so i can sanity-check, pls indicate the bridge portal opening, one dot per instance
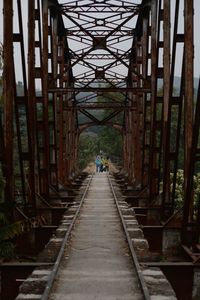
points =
(99, 140)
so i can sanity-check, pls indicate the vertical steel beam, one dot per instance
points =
(64, 115)
(189, 81)
(31, 95)
(177, 38)
(133, 122)
(171, 150)
(128, 142)
(73, 140)
(154, 54)
(166, 105)
(52, 61)
(191, 215)
(188, 121)
(60, 112)
(34, 74)
(131, 141)
(8, 95)
(46, 156)
(54, 71)
(146, 104)
(2, 146)
(24, 124)
(138, 128)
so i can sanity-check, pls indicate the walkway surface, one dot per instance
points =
(96, 264)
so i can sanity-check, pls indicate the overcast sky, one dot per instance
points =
(196, 30)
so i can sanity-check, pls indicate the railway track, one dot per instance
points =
(98, 252)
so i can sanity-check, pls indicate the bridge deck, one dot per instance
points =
(96, 264)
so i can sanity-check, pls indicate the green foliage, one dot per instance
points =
(105, 139)
(110, 141)
(7, 249)
(2, 185)
(7, 231)
(179, 190)
(87, 149)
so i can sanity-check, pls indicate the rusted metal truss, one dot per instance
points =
(73, 55)
(168, 130)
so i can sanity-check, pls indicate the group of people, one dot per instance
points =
(102, 163)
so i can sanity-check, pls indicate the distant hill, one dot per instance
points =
(177, 83)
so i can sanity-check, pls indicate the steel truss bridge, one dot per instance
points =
(68, 53)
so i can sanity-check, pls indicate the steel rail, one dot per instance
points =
(133, 255)
(50, 281)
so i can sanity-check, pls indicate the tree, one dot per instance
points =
(88, 147)
(110, 141)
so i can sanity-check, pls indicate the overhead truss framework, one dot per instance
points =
(100, 37)
(122, 57)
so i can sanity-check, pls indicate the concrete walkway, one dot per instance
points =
(96, 264)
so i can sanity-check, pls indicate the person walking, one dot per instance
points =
(106, 163)
(98, 163)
